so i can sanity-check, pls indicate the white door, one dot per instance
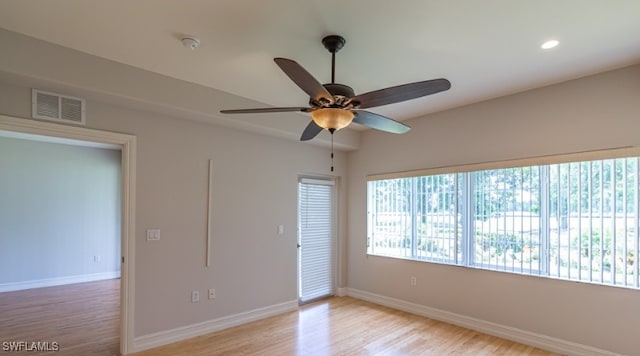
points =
(315, 239)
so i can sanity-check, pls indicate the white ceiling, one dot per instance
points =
(485, 48)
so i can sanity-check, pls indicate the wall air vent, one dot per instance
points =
(57, 107)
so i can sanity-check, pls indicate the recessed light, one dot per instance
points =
(550, 44)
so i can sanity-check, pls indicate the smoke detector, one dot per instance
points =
(191, 42)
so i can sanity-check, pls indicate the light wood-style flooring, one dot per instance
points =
(345, 326)
(83, 318)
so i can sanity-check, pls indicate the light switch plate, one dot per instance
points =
(153, 234)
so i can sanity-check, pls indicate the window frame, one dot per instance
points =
(465, 234)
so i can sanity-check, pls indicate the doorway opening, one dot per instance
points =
(124, 254)
(316, 239)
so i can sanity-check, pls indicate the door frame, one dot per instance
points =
(335, 245)
(127, 145)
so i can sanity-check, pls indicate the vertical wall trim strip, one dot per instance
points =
(209, 209)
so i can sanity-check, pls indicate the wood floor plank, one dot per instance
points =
(83, 318)
(345, 326)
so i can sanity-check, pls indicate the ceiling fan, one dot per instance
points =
(334, 106)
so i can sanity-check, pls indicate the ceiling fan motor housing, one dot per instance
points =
(341, 93)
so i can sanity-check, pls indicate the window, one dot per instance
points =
(573, 220)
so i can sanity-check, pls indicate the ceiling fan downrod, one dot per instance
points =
(333, 44)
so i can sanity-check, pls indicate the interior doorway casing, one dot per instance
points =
(127, 144)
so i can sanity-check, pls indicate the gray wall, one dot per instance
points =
(59, 209)
(254, 190)
(254, 181)
(596, 112)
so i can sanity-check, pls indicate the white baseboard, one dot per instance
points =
(506, 332)
(341, 292)
(189, 331)
(58, 281)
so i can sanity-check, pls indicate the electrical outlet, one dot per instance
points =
(212, 293)
(96, 259)
(195, 296)
(414, 281)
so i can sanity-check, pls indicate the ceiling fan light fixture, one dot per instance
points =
(332, 119)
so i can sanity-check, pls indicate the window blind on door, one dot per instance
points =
(315, 219)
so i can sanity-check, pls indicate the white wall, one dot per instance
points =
(596, 112)
(59, 210)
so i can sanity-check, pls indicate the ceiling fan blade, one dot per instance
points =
(304, 80)
(311, 131)
(379, 122)
(264, 110)
(401, 93)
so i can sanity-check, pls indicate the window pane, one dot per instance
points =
(390, 217)
(437, 218)
(593, 210)
(415, 218)
(507, 219)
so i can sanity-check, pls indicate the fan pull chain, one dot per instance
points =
(331, 151)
